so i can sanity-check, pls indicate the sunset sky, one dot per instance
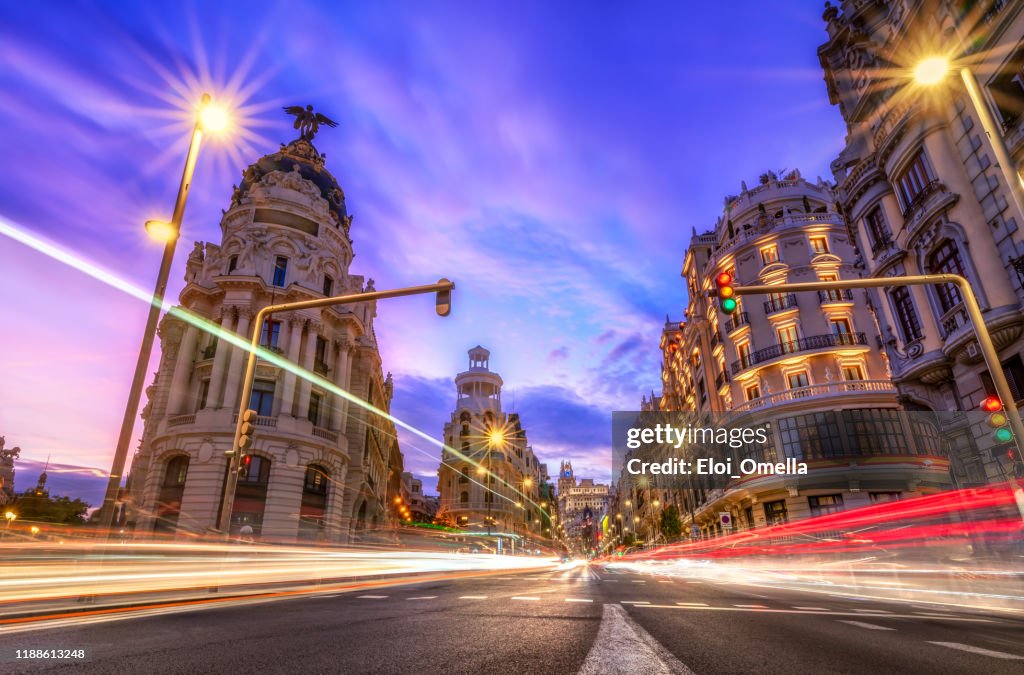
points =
(550, 158)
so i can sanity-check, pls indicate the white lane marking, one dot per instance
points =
(372, 597)
(664, 581)
(611, 581)
(333, 595)
(693, 604)
(622, 646)
(752, 606)
(943, 615)
(979, 650)
(819, 613)
(579, 600)
(472, 597)
(873, 611)
(694, 582)
(931, 608)
(423, 597)
(814, 609)
(869, 626)
(639, 581)
(525, 597)
(636, 602)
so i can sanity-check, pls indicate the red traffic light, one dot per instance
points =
(991, 404)
(724, 279)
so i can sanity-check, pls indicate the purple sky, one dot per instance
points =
(550, 158)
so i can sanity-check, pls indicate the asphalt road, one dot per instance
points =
(585, 620)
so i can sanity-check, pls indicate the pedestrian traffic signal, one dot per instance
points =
(726, 292)
(246, 430)
(997, 419)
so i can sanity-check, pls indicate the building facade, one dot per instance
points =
(923, 193)
(322, 468)
(493, 483)
(784, 359)
(582, 504)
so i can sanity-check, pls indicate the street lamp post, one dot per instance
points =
(933, 70)
(988, 349)
(210, 118)
(443, 289)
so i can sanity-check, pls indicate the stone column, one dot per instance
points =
(292, 354)
(340, 405)
(308, 355)
(183, 367)
(220, 361)
(233, 384)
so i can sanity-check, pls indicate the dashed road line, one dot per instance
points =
(869, 626)
(750, 606)
(813, 609)
(472, 597)
(639, 581)
(978, 650)
(872, 611)
(636, 602)
(579, 600)
(372, 597)
(525, 597)
(693, 604)
(423, 597)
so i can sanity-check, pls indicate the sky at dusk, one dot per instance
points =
(550, 158)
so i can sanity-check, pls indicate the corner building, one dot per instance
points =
(485, 492)
(322, 468)
(921, 188)
(786, 359)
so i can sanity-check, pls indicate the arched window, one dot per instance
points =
(312, 512)
(464, 497)
(316, 480)
(946, 260)
(172, 490)
(177, 472)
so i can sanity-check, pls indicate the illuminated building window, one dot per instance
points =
(912, 181)
(743, 349)
(853, 372)
(819, 244)
(775, 512)
(280, 271)
(752, 391)
(843, 331)
(787, 339)
(769, 254)
(882, 497)
(825, 504)
(906, 314)
(798, 380)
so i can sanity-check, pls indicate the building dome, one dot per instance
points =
(296, 160)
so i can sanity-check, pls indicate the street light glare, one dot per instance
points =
(496, 437)
(931, 70)
(213, 118)
(161, 231)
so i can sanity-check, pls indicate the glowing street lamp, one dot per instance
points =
(212, 119)
(11, 516)
(931, 71)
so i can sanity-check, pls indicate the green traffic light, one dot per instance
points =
(729, 305)
(1003, 435)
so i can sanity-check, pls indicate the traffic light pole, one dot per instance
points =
(443, 289)
(988, 349)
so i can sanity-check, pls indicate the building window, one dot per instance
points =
(775, 512)
(464, 497)
(853, 372)
(743, 349)
(320, 356)
(841, 327)
(262, 399)
(232, 264)
(819, 244)
(752, 391)
(270, 334)
(878, 229)
(769, 254)
(1013, 369)
(315, 406)
(256, 470)
(177, 472)
(882, 497)
(787, 339)
(832, 294)
(798, 380)
(912, 181)
(464, 477)
(1007, 90)
(316, 480)
(946, 260)
(906, 314)
(280, 271)
(825, 504)
(328, 286)
(204, 393)
(811, 436)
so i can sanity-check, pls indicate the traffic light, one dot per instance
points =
(997, 419)
(726, 292)
(443, 300)
(245, 433)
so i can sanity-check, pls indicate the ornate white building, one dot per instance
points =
(581, 505)
(322, 468)
(488, 493)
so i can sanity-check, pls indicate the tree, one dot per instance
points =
(46, 509)
(671, 525)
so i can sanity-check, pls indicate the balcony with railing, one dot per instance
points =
(881, 244)
(805, 344)
(258, 420)
(834, 296)
(917, 204)
(783, 302)
(736, 322)
(326, 434)
(814, 391)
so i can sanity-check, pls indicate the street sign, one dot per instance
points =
(725, 518)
